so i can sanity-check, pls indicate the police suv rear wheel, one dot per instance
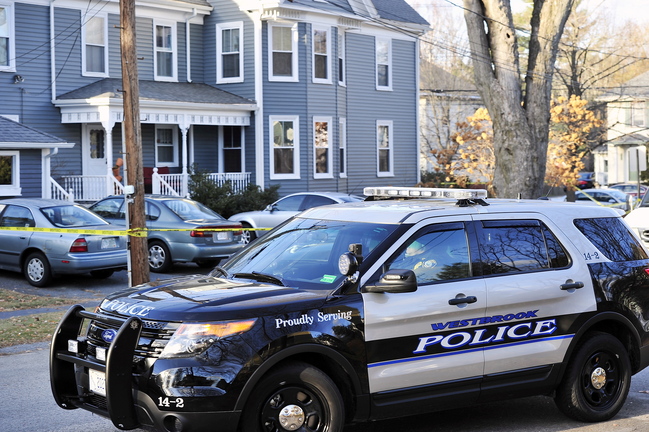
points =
(297, 397)
(597, 380)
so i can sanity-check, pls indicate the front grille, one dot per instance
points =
(154, 337)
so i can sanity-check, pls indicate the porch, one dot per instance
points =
(90, 188)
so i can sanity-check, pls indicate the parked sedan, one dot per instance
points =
(41, 256)
(286, 207)
(180, 230)
(630, 189)
(604, 197)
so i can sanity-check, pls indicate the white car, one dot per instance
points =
(638, 220)
(284, 208)
(604, 197)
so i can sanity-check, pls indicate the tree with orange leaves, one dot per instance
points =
(475, 160)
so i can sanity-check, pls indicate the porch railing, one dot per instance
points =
(96, 187)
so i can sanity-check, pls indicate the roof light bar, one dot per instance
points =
(414, 192)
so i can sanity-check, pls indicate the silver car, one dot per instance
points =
(41, 256)
(180, 230)
(286, 207)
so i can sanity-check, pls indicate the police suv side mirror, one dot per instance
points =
(394, 281)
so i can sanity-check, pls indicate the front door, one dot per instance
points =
(94, 163)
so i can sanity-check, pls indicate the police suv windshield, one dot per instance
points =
(304, 252)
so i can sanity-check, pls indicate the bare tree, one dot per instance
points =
(520, 115)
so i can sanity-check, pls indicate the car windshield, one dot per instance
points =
(305, 252)
(190, 210)
(72, 216)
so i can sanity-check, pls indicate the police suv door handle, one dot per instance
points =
(461, 300)
(570, 284)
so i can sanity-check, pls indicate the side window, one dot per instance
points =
(109, 208)
(612, 237)
(436, 256)
(519, 246)
(152, 212)
(316, 201)
(18, 217)
(292, 203)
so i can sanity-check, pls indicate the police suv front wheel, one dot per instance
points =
(597, 380)
(296, 397)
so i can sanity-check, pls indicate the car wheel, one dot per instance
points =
(101, 274)
(247, 236)
(37, 270)
(159, 257)
(597, 380)
(296, 397)
(208, 263)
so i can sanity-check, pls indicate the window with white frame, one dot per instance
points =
(283, 53)
(231, 144)
(342, 158)
(341, 57)
(10, 173)
(321, 57)
(384, 146)
(165, 52)
(229, 52)
(638, 113)
(322, 153)
(95, 52)
(284, 147)
(7, 57)
(383, 64)
(166, 146)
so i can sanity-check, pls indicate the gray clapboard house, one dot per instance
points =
(308, 94)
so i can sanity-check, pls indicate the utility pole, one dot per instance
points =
(139, 256)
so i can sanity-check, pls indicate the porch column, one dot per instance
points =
(108, 148)
(184, 128)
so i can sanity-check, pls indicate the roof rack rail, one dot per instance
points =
(465, 197)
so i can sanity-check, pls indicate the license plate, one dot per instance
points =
(222, 235)
(97, 382)
(109, 243)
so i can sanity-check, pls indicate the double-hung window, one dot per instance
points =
(10, 173)
(384, 145)
(341, 57)
(166, 146)
(165, 52)
(342, 159)
(95, 52)
(284, 147)
(638, 113)
(231, 144)
(321, 55)
(7, 38)
(282, 53)
(229, 52)
(322, 152)
(383, 64)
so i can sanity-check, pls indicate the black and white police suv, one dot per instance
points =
(410, 301)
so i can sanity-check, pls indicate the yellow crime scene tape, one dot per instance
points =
(133, 232)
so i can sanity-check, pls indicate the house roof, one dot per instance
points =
(14, 135)
(433, 78)
(635, 88)
(159, 91)
(397, 10)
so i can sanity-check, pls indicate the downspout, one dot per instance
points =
(52, 52)
(188, 45)
(259, 98)
(417, 116)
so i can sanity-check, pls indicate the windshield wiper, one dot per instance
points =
(221, 270)
(259, 277)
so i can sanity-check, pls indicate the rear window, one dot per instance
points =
(612, 237)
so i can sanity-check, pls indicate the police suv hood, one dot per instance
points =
(207, 298)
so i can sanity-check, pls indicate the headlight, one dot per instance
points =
(192, 339)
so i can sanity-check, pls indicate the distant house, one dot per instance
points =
(444, 100)
(310, 95)
(625, 154)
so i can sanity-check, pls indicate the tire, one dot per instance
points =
(159, 257)
(299, 394)
(597, 380)
(211, 263)
(37, 270)
(247, 236)
(102, 274)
